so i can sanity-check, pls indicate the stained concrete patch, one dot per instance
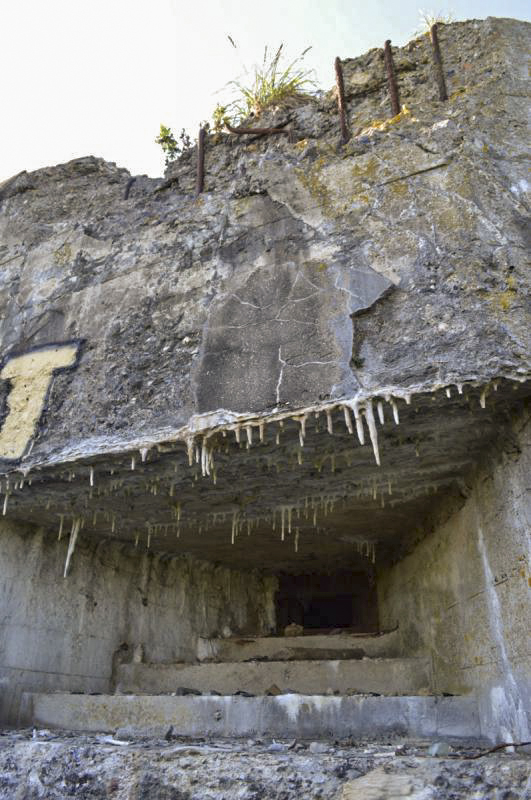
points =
(236, 716)
(284, 330)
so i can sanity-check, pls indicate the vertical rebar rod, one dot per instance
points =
(391, 79)
(345, 135)
(437, 60)
(200, 176)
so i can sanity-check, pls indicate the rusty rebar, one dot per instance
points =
(341, 104)
(437, 60)
(391, 78)
(200, 175)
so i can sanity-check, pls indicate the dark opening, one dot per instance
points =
(345, 600)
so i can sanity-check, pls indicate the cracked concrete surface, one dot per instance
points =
(307, 279)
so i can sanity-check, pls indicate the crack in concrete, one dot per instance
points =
(279, 382)
(412, 174)
(245, 302)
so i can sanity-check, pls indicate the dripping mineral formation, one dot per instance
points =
(297, 400)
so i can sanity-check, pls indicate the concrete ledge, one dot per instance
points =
(379, 675)
(282, 716)
(289, 648)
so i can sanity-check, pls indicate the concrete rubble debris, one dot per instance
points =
(439, 749)
(146, 768)
(293, 630)
(318, 747)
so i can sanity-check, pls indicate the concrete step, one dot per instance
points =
(292, 648)
(285, 716)
(377, 675)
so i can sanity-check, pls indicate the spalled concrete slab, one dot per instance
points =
(284, 716)
(382, 676)
(293, 648)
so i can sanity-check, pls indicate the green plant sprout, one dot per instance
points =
(429, 18)
(268, 85)
(172, 147)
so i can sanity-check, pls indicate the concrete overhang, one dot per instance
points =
(287, 491)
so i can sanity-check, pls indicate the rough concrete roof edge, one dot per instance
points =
(6, 183)
(204, 426)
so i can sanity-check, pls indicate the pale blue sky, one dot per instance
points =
(97, 77)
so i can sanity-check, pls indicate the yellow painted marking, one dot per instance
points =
(30, 376)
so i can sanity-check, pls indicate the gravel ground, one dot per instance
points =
(47, 765)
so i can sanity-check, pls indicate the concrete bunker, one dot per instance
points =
(259, 560)
(300, 400)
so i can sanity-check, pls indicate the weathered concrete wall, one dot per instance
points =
(192, 305)
(70, 634)
(464, 595)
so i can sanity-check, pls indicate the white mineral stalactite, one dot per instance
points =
(373, 433)
(234, 526)
(76, 525)
(190, 450)
(348, 419)
(205, 462)
(380, 412)
(61, 522)
(359, 422)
